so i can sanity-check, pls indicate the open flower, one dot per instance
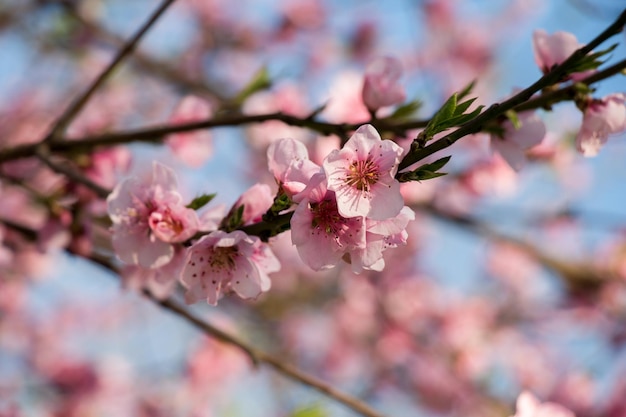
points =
(600, 119)
(381, 235)
(221, 262)
(362, 176)
(514, 143)
(381, 87)
(321, 234)
(148, 215)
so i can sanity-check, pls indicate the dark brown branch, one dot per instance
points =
(554, 76)
(76, 106)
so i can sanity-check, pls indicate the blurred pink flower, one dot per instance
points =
(515, 142)
(528, 406)
(551, 50)
(601, 118)
(381, 235)
(381, 87)
(288, 160)
(362, 176)
(148, 215)
(256, 201)
(220, 262)
(193, 147)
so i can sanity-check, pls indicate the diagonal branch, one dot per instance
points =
(256, 356)
(76, 106)
(497, 109)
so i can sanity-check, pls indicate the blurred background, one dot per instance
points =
(510, 280)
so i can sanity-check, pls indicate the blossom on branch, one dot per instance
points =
(552, 50)
(148, 215)
(288, 160)
(321, 234)
(381, 87)
(601, 118)
(514, 142)
(221, 262)
(362, 176)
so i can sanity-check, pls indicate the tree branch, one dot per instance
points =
(76, 106)
(498, 109)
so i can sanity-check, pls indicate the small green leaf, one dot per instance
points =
(461, 108)
(426, 171)
(260, 81)
(437, 165)
(281, 202)
(233, 220)
(311, 411)
(406, 110)
(591, 61)
(438, 122)
(200, 201)
(512, 116)
(468, 89)
(464, 118)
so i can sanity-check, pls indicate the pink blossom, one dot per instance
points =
(211, 218)
(381, 235)
(528, 406)
(288, 160)
(105, 164)
(362, 176)
(345, 101)
(381, 87)
(221, 262)
(551, 50)
(321, 234)
(160, 282)
(601, 118)
(256, 201)
(193, 147)
(148, 216)
(515, 142)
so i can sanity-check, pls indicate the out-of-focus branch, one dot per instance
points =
(43, 153)
(495, 110)
(256, 356)
(579, 276)
(76, 106)
(152, 65)
(155, 134)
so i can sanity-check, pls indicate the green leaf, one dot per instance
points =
(464, 118)
(438, 122)
(468, 89)
(233, 220)
(461, 108)
(512, 116)
(406, 110)
(426, 171)
(591, 61)
(311, 411)
(200, 201)
(281, 202)
(260, 81)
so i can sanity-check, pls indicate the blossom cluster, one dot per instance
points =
(349, 209)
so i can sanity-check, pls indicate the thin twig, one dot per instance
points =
(75, 107)
(43, 153)
(256, 356)
(498, 109)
